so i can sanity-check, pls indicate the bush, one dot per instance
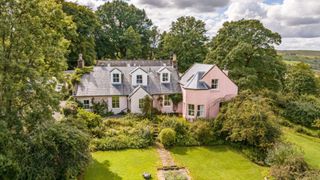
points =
(167, 137)
(288, 163)
(179, 125)
(101, 108)
(304, 111)
(70, 108)
(202, 131)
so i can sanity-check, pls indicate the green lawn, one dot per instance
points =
(127, 164)
(217, 162)
(309, 145)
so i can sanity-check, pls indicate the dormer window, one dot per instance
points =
(139, 79)
(214, 83)
(115, 76)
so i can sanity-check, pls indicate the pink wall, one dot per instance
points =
(209, 98)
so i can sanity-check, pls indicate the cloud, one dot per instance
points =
(197, 5)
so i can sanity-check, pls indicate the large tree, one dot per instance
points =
(187, 39)
(82, 42)
(32, 58)
(246, 48)
(120, 21)
(300, 79)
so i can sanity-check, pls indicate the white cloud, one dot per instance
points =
(298, 21)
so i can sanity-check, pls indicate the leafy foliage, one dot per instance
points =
(167, 137)
(248, 120)
(304, 110)
(246, 48)
(300, 79)
(83, 41)
(187, 39)
(125, 31)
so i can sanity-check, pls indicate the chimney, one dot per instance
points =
(80, 61)
(174, 61)
(225, 70)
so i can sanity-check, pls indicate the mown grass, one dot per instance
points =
(309, 145)
(127, 164)
(217, 162)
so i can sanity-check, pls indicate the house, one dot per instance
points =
(122, 85)
(204, 87)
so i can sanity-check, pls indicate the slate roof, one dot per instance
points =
(191, 79)
(98, 82)
(115, 63)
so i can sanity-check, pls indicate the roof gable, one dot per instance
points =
(137, 68)
(137, 89)
(116, 70)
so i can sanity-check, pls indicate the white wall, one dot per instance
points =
(134, 100)
(144, 77)
(108, 99)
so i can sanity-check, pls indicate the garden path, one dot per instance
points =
(165, 156)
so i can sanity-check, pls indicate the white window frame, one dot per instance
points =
(86, 105)
(200, 112)
(163, 80)
(166, 101)
(115, 102)
(113, 78)
(214, 83)
(191, 110)
(138, 80)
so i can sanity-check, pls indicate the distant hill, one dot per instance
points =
(309, 57)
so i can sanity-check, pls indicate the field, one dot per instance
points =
(217, 162)
(309, 145)
(309, 57)
(126, 164)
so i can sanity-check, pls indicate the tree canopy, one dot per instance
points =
(187, 39)
(32, 58)
(300, 79)
(125, 31)
(246, 48)
(83, 41)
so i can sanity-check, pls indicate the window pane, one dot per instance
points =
(214, 83)
(141, 102)
(191, 109)
(166, 100)
(115, 102)
(116, 78)
(139, 79)
(200, 111)
(86, 104)
(165, 77)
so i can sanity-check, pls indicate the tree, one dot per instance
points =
(187, 39)
(300, 79)
(32, 56)
(83, 41)
(248, 120)
(133, 42)
(246, 48)
(118, 20)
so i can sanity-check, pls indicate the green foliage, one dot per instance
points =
(101, 108)
(176, 99)
(167, 137)
(187, 39)
(203, 132)
(125, 31)
(248, 120)
(127, 132)
(246, 48)
(56, 151)
(70, 109)
(304, 110)
(300, 79)
(147, 108)
(83, 40)
(288, 163)
(79, 72)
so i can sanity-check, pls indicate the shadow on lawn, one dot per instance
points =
(214, 148)
(98, 170)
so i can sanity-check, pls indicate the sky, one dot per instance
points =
(298, 21)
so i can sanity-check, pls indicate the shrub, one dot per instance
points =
(202, 131)
(70, 109)
(304, 111)
(167, 137)
(248, 120)
(101, 108)
(288, 163)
